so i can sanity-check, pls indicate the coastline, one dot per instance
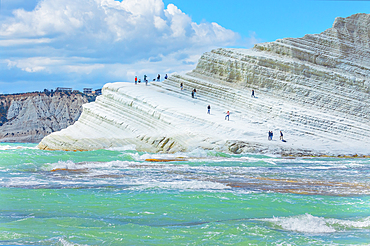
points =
(156, 119)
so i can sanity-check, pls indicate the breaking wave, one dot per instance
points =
(307, 223)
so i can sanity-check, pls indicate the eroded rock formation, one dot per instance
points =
(315, 88)
(29, 117)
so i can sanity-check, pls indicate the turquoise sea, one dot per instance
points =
(116, 197)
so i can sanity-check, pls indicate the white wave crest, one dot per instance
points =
(123, 148)
(60, 165)
(64, 242)
(12, 147)
(306, 223)
(184, 185)
(350, 224)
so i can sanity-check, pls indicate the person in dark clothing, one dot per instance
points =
(252, 94)
(192, 94)
(195, 93)
(281, 136)
(158, 77)
(165, 77)
(145, 78)
(270, 135)
(181, 86)
(209, 109)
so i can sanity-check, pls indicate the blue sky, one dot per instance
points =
(87, 43)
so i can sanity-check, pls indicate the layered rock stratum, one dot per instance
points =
(29, 117)
(315, 89)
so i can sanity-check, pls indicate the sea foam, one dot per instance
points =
(307, 223)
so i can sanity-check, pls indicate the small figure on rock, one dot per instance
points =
(158, 77)
(195, 93)
(253, 94)
(166, 77)
(181, 86)
(139, 81)
(135, 80)
(192, 94)
(209, 109)
(145, 78)
(227, 115)
(270, 135)
(281, 136)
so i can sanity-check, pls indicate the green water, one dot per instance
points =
(115, 197)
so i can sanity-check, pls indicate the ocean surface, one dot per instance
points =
(116, 197)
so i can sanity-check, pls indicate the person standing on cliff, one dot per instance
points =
(192, 94)
(181, 86)
(209, 109)
(281, 136)
(145, 78)
(227, 115)
(195, 93)
(253, 94)
(158, 77)
(165, 77)
(135, 80)
(270, 135)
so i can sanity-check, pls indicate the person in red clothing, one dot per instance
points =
(227, 115)
(135, 80)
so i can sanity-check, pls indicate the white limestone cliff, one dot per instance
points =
(315, 89)
(29, 117)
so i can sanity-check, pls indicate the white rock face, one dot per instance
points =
(315, 89)
(30, 117)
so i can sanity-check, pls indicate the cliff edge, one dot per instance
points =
(314, 89)
(29, 117)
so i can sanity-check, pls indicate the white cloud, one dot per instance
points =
(84, 68)
(69, 36)
(252, 39)
(24, 41)
(35, 64)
